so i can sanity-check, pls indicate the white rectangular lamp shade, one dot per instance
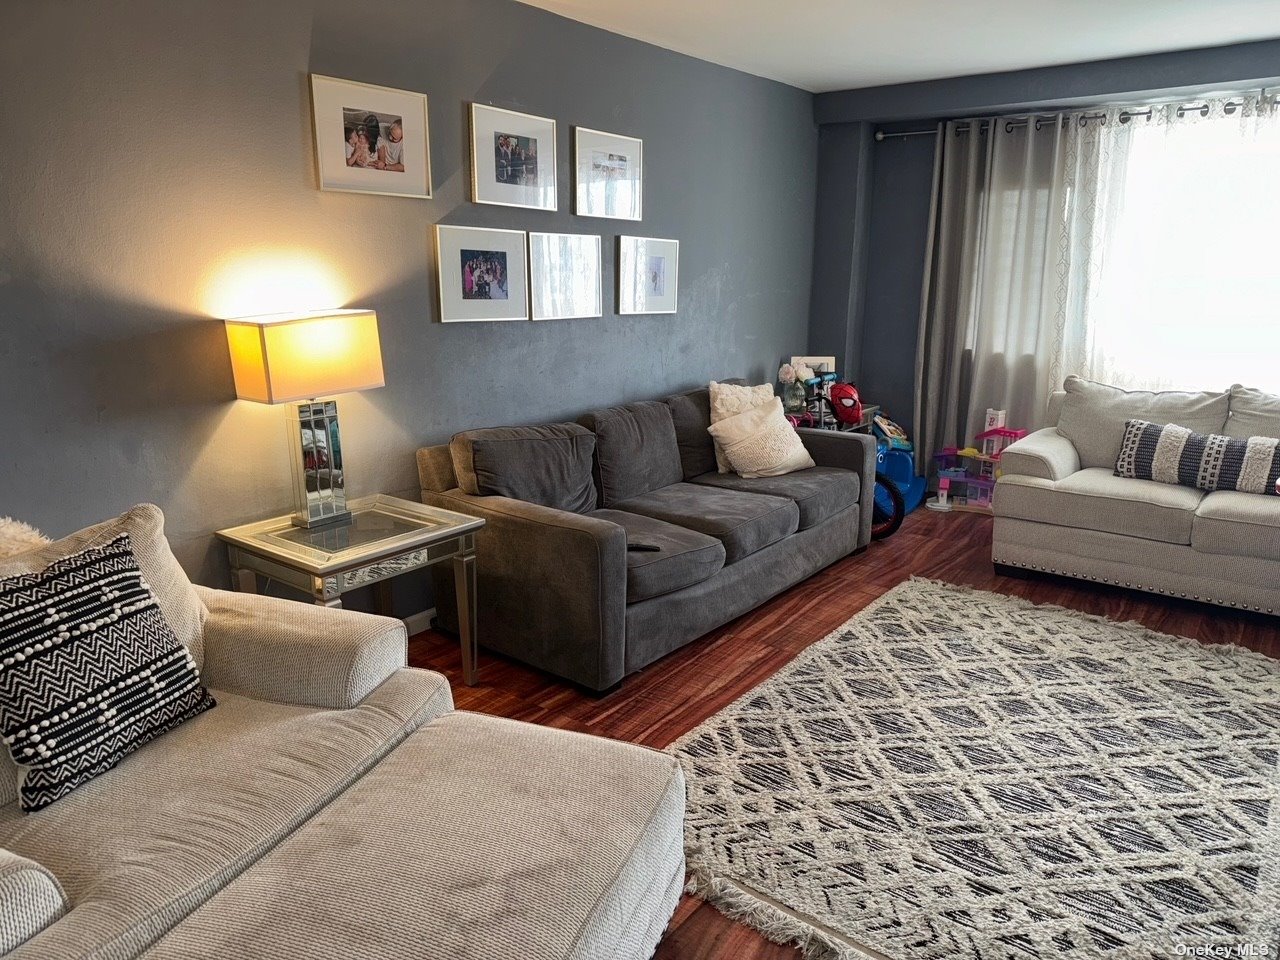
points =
(281, 358)
(284, 358)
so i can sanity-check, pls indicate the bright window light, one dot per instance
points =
(1189, 291)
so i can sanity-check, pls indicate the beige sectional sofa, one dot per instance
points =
(1060, 509)
(334, 805)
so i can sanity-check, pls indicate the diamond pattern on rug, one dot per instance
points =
(957, 773)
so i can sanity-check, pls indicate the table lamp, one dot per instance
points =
(286, 358)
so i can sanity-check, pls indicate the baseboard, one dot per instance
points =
(418, 622)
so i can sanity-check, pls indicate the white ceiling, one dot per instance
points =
(838, 44)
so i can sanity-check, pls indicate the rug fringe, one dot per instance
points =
(775, 925)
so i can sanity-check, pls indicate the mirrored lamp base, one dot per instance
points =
(315, 445)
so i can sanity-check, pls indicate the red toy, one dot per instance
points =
(846, 403)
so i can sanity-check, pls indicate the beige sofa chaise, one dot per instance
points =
(1060, 509)
(334, 805)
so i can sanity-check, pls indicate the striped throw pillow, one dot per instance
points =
(1168, 453)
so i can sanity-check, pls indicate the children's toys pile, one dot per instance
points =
(967, 477)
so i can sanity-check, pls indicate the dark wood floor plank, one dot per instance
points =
(666, 700)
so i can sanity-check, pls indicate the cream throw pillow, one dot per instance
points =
(761, 443)
(729, 400)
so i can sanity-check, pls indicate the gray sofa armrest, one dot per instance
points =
(551, 586)
(1045, 454)
(290, 652)
(852, 451)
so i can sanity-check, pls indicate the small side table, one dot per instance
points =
(385, 537)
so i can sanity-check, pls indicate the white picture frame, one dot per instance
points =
(513, 158)
(564, 276)
(608, 175)
(817, 364)
(648, 275)
(340, 110)
(481, 274)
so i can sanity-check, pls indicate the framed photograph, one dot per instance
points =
(648, 275)
(817, 364)
(513, 158)
(609, 174)
(371, 139)
(482, 274)
(564, 275)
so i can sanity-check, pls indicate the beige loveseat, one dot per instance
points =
(334, 805)
(1060, 509)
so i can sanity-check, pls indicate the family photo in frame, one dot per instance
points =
(482, 274)
(370, 139)
(513, 158)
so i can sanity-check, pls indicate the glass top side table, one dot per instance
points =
(386, 536)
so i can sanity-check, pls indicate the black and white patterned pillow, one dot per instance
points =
(1172, 454)
(89, 670)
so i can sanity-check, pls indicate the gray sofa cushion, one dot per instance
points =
(636, 449)
(691, 414)
(1232, 523)
(547, 464)
(477, 838)
(1094, 415)
(1096, 499)
(684, 557)
(819, 492)
(1253, 414)
(743, 522)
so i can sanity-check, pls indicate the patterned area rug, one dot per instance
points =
(955, 773)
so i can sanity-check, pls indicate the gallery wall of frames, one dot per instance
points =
(372, 139)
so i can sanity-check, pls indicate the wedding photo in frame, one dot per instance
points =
(564, 276)
(513, 158)
(482, 274)
(648, 275)
(371, 139)
(608, 175)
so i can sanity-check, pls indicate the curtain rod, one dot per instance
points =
(1015, 120)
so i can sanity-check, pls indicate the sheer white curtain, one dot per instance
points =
(1125, 245)
(1187, 289)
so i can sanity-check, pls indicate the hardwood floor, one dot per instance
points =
(664, 701)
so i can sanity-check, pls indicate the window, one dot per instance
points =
(1188, 289)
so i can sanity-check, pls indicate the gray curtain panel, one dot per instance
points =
(1015, 222)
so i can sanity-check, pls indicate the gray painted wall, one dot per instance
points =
(155, 143)
(894, 177)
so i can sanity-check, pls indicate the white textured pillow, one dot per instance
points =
(729, 400)
(761, 443)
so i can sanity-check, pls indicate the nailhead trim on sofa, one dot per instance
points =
(1133, 586)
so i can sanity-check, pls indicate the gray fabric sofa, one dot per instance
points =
(1060, 509)
(333, 805)
(558, 587)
